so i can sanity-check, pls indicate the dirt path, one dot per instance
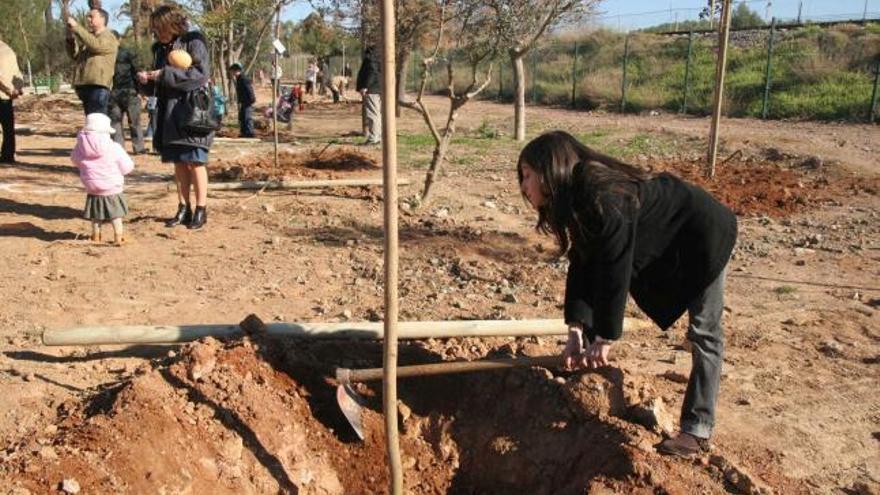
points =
(798, 409)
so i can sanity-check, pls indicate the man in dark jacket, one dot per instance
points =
(124, 100)
(244, 93)
(369, 85)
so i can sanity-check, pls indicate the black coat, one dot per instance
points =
(173, 85)
(370, 74)
(244, 91)
(125, 73)
(665, 253)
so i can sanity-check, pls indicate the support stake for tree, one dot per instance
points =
(724, 31)
(874, 93)
(623, 79)
(765, 107)
(389, 156)
(275, 82)
(687, 73)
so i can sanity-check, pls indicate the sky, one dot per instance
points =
(635, 14)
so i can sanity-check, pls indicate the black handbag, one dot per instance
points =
(199, 117)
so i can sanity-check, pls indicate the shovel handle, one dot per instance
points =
(346, 375)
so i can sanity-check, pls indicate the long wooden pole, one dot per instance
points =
(300, 184)
(720, 67)
(389, 155)
(363, 330)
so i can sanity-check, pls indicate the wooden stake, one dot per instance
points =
(299, 184)
(389, 155)
(720, 66)
(363, 330)
(275, 82)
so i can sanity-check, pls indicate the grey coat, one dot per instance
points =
(172, 87)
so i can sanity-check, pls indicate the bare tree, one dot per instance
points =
(521, 23)
(465, 31)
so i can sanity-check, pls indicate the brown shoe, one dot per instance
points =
(683, 445)
(96, 237)
(120, 241)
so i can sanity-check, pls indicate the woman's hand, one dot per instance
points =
(596, 355)
(573, 356)
(71, 22)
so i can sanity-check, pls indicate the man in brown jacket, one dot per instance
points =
(10, 89)
(94, 51)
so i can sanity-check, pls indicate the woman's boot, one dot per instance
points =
(199, 218)
(184, 216)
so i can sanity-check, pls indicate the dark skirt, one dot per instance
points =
(103, 208)
(175, 153)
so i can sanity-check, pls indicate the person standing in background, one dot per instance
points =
(311, 77)
(244, 93)
(124, 100)
(370, 88)
(11, 83)
(94, 53)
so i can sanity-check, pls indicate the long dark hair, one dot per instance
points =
(576, 182)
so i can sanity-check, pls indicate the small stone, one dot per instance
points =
(347, 314)
(510, 298)
(653, 413)
(269, 208)
(48, 453)
(70, 485)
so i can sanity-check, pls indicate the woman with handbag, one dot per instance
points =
(184, 129)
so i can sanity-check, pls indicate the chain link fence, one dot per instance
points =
(819, 73)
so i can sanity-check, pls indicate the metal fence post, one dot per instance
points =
(500, 80)
(534, 77)
(574, 80)
(874, 93)
(768, 74)
(687, 73)
(623, 80)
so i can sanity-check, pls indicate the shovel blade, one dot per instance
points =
(351, 405)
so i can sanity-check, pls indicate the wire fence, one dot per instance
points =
(821, 73)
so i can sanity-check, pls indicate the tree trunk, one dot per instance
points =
(440, 151)
(436, 166)
(402, 64)
(519, 95)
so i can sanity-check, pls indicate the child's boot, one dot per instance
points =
(118, 237)
(96, 231)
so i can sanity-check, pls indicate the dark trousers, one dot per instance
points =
(246, 121)
(7, 122)
(127, 102)
(95, 99)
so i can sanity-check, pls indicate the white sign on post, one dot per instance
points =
(279, 47)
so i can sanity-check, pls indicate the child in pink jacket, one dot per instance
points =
(102, 166)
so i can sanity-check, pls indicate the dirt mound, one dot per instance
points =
(752, 188)
(47, 103)
(316, 163)
(259, 417)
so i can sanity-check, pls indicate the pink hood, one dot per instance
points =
(102, 163)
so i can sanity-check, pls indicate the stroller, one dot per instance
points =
(288, 102)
